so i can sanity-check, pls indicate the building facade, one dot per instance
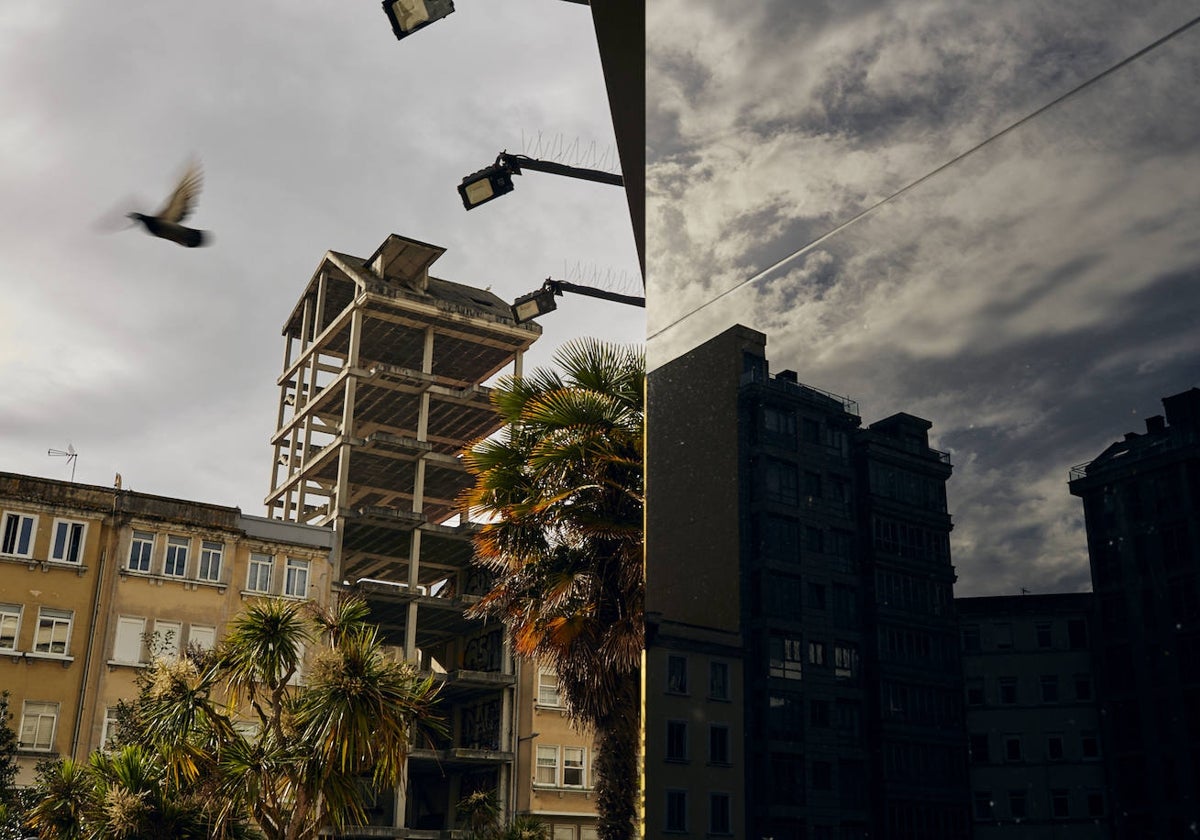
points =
(93, 580)
(1033, 718)
(805, 560)
(1141, 504)
(381, 389)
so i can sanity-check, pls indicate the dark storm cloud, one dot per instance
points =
(1034, 301)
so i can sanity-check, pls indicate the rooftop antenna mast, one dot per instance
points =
(70, 454)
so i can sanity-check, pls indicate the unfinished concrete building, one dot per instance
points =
(382, 387)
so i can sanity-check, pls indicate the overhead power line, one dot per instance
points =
(932, 173)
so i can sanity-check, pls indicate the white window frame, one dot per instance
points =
(22, 534)
(145, 551)
(202, 636)
(259, 562)
(677, 682)
(845, 660)
(168, 638)
(542, 758)
(548, 693)
(674, 728)
(713, 668)
(727, 759)
(53, 618)
(65, 555)
(295, 577)
(123, 641)
(36, 712)
(173, 564)
(574, 759)
(683, 798)
(10, 623)
(108, 728)
(212, 555)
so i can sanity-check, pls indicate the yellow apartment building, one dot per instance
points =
(90, 577)
(554, 763)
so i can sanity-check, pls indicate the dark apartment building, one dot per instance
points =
(1033, 718)
(799, 595)
(1141, 503)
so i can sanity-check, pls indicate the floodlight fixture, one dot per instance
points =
(496, 180)
(530, 306)
(488, 183)
(408, 16)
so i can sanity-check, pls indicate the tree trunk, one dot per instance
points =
(616, 765)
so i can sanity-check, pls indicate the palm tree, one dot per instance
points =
(237, 730)
(561, 494)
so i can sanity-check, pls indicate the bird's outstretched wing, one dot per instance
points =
(179, 206)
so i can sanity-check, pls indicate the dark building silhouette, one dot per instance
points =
(1033, 718)
(1141, 501)
(810, 556)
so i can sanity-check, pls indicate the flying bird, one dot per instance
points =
(165, 223)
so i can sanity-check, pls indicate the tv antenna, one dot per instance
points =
(69, 453)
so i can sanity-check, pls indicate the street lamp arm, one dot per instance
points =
(560, 286)
(515, 163)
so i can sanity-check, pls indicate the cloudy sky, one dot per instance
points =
(1035, 300)
(318, 131)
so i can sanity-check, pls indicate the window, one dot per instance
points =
(38, 721)
(130, 634)
(1008, 690)
(810, 430)
(814, 539)
(677, 740)
(1049, 688)
(779, 421)
(1089, 745)
(718, 743)
(676, 811)
(573, 770)
(53, 631)
(785, 715)
(822, 775)
(1044, 639)
(1077, 633)
(1083, 687)
(677, 675)
(1095, 803)
(718, 813)
(816, 653)
(177, 554)
(67, 546)
(295, 584)
(718, 680)
(786, 657)
(979, 748)
(202, 637)
(782, 482)
(975, 692)
(1054, 747)
(108, 732)
(845, 661)
(167, 638)
(970, 638)
(816, 596)
(259, 577)
(1003, 636)
(818, 712)
(10, 626)
(1060, 803)
(18, 534)
(1012, 748)
(845, 606)
(1016, 804)
(211, 553)
(140, 551)
(546, 772)
(547, 691)
(982, 800)
(847, 717)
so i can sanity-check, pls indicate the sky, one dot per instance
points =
(1035, 300)
(317, 130)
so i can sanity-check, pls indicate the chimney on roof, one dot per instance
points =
(1183, 410)
(1132, 436)
(787, 376)
(1156, 424)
